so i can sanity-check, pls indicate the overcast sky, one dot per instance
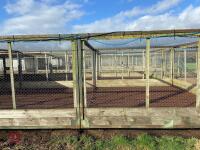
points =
(71, 16)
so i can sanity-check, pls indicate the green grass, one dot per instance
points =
(85, 142)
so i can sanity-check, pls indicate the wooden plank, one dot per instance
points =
(37, 123)
(166, 117)
(37, 119)
(37, 113)
(127, 83)
(182, 84)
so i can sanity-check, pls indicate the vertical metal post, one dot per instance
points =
(11, 75)
(128, 64)
(136, 60)
(98, 67)
(132, 59)
(162, 63)
(50, 66)
(20, 69)
(178, 65)
(165, 64)
(172, 65)
(122, 63)
(112, 61)
(143, 63)
(94, 68)
(196, 61)
(185, 65)
(147, 71)
(35, 65)
(4, 68)
(116, 64)
(46, 67)
(155, 60)
(198, 76)
(66, 65)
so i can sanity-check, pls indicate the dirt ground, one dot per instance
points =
(160, 96)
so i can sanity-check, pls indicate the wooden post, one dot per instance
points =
(198, 77)
(78, 78)
(94, 68)
(84, 80)
(172, 65)
(4, 68)
(46, 67)
(147, 71)
(75, 73)
(11, 75)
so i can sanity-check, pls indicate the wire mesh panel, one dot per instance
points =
(177, 67)
(179, 64)
(119, 80)
(186, 65)
(191, 66)
(156, 64)
(5, 84)
(42, 78)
